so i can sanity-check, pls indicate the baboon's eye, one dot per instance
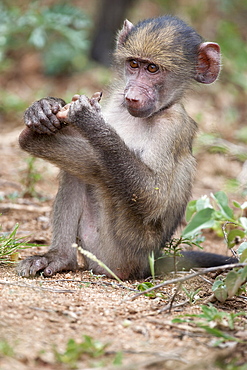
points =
(152, 68)
(133, 63)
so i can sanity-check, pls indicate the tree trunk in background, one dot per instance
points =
(110, 19)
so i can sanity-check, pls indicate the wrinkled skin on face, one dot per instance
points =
(141, 93)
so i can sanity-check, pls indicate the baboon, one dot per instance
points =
(126, 172)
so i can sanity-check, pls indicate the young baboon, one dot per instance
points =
(126, 172)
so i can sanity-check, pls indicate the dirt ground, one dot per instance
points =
(40, 314)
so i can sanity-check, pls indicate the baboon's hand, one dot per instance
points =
(41, 115)
(81, 110)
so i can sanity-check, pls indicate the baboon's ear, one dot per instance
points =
(208, 63)
(123, 33)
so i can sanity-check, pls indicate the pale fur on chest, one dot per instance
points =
(150, 138)
(139, 135)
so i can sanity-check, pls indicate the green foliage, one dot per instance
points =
(232, 42)
(214, 322)
(234, 282)
(88, 348)
(153, 294)
(192, 295)
(147, 285)
(173, 248)
(220, 318)
(11, 102)
(213, 212)
(225, 364)
(215, 144)
(151, 264)
(10, 245)
(59, 31)
(241, 134)
(6, 349)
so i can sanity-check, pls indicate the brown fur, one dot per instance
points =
(127, 172)
(145, 45)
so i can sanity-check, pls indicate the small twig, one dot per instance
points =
(100, 283)
(168, 306)
(185, 328)
(232, 149)
(166, 356)
(241, 296)
(70, 314)
(203, 278)
(5, 207)
(187, 277)
(23, 285)
(174, 296)
(43, 309)
(6, 183)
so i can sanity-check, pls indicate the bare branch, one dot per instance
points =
(187, 277)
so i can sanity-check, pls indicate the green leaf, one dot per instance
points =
(243, 257)
(151, 261)
(243, 221)
(118, 359)
(222, 201)
(242, 247)
(201, 220)
(231, 237)
(217, 284)
(38, 37)
(221, 198)
(218, 333)
(209, 311)
(203, 202)
(236, 204)
(190, 210)
(220, 291)
(244, 274)
(233, 282)
(147, 285)
(242, 251)
(179, 321)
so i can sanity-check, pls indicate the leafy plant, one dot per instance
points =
(241, 134)
(10, 245)
(6, 349)
(213, 143)
(233, 364)
(173, 248)
(235, 45)
(59, 31)
(88, 348)
(212, 212)
(11, 102)
(233, 283)
(214, 322)
(192, 295)
(147, 285)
